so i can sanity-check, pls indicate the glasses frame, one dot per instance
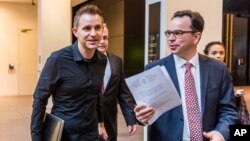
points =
(177, 33)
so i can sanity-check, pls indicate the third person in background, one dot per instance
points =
(216, 50)
(115, 90)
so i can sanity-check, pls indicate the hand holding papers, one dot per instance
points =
(155, 88)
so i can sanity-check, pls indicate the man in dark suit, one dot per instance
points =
(213, 89)
(115, 89)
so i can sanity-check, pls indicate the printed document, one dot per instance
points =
(155, 88)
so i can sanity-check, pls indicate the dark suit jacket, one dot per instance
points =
(217, 102)
(117, 91)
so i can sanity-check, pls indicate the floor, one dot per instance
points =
(15, 114)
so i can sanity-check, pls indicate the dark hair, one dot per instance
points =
(208, 46)
(87, 9)
(197, 21)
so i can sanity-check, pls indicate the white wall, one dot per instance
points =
(14, 17)
(54, 26)
(52, 19)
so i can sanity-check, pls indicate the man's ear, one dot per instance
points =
(74, 30)
(197, 36)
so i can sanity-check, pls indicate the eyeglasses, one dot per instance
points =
(177, 33)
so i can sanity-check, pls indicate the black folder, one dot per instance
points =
(52, 128)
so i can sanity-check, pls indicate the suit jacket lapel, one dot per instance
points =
(172, 71)
(170, 66)
(112, 67)
(204, 78)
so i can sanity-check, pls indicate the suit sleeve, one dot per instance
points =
(227, 112)
(45, 86)
(126, 99)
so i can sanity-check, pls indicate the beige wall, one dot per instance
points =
(54, 28)
(76, 2)
(14, 17)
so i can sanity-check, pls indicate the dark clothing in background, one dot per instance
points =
(74, 84)
(117, 91)
(243, 114)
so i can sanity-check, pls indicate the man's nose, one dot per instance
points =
(101, 41)
(93, 32)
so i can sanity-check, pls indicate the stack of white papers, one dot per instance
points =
(154, 88)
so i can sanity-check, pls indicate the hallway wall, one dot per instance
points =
(14, 18)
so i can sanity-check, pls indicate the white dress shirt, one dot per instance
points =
(180, 69)
(107, 73)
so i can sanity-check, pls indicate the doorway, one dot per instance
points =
(28, 61)
(236, 37)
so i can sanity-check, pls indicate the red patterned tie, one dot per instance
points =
(102, 90)
(193, 112)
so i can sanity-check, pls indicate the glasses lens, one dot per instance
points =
(176, 33)
(168, 33)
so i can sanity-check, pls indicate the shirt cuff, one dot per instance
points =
(218, 134)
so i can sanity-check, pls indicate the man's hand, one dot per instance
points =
(132, 129)
(102, 131)
(213, 136)
(239, 92)
(143, 113)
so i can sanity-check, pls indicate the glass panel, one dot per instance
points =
(154, 32)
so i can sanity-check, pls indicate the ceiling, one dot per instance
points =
(73, 2)
(19, 1)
